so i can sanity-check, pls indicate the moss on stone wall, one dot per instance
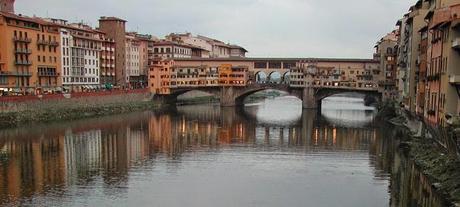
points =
(11, 119)
(442, 169)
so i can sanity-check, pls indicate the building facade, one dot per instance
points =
(80, 51)
(169, 49)
(145, 57)
(207, 47)
(115, 29)
(132, 60)
(428, 60)
(107, 60)
(443, 60)
(30, 57)
(386, 53)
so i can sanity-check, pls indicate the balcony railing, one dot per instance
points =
(42, 42)
(48, 74)
(25, 62)
(54, 43)
(22, 39)
(13, 73)
(23, 51)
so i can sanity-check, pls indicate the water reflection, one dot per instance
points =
(184, 156)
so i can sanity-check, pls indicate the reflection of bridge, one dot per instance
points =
(233, 80)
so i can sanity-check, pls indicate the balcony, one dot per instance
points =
(22, 51)
(454, 79)
(12, 73)
(22, 39)
(42, 42)
(48, 74)
(456, 43)
(25, 62)
(54, 43)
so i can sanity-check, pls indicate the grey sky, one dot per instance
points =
(267, 28)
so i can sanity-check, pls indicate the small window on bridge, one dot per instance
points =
(260, 65)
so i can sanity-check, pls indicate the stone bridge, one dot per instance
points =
(234, 96)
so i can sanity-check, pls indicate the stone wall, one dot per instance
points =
(15, 111)
(72, 101)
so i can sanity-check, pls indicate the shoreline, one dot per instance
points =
(15, 119)
(440, 167)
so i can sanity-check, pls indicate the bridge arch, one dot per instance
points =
(323, 93)
(261, 77)
(173, 96)
(275, 77)
(242, 95)
(286, 78)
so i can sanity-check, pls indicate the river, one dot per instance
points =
(271, 153)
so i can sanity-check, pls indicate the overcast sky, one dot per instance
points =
(267, 28)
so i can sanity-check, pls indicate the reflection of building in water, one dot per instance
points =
(235, 129)
(29, 164)
(342, 138)
(35, 161)
(410, 187)
(82, 153)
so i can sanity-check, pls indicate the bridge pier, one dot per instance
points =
(227, 97)
(165, 99)
(309, 99)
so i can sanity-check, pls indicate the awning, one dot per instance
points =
(423, 29)
(455, 23)
(437, 25)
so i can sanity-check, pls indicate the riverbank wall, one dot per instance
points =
(424, 146)
(26, 109)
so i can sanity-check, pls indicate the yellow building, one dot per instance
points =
(30, 55)
(230, 75)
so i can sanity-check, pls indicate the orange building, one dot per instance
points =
(233, 75)
(30, 55)
(160, 76)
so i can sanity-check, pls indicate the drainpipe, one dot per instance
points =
(439, 85)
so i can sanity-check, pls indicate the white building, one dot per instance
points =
(212, 48)
(132, 58)
(80, 50)
(169, 49)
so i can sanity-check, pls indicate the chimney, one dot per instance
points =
(7, 6)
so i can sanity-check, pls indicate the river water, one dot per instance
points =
(271, 153)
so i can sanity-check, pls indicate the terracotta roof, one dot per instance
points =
(238, 47)
(25, 18)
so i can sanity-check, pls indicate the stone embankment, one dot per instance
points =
(427, 148)
(23, 110)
